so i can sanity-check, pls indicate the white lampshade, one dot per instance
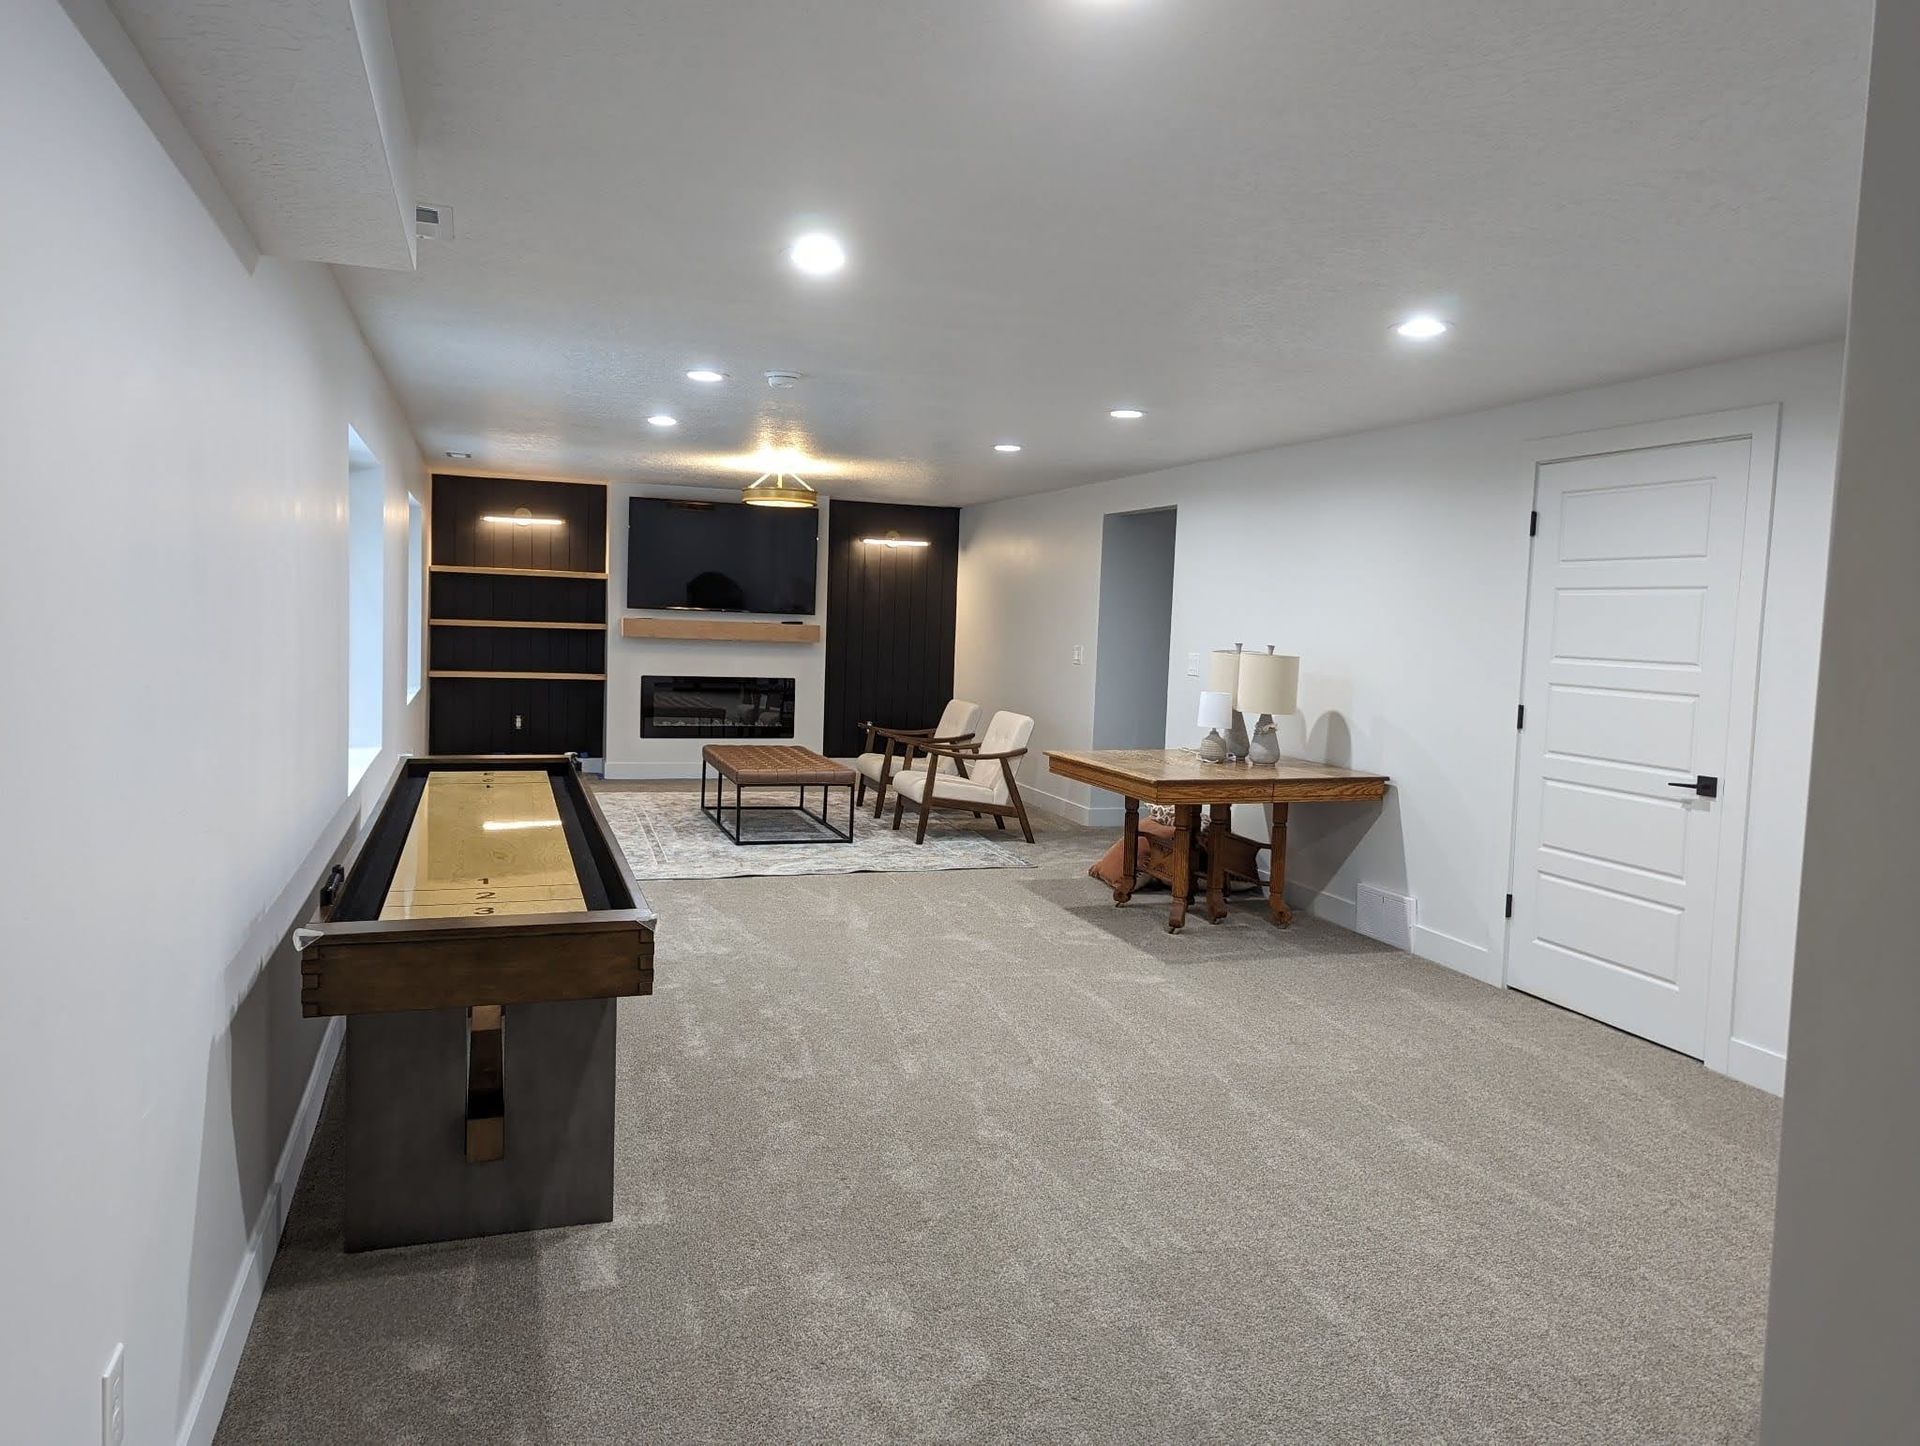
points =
(1269, 683)
(1216, 710)
(1223, 673)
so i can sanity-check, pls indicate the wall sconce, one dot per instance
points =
(523, 517)
(894, 539)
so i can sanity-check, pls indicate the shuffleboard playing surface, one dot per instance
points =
(484, 842)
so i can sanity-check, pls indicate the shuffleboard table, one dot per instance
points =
(478, 939)
(1180, 778)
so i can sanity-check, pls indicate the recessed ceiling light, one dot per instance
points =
(1006, 446)
(661, 419)
(1126, 414)
(817, 254)
(706, 374)
(460, 456)
(1422, 327)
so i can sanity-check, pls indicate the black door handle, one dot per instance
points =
(1706, 785)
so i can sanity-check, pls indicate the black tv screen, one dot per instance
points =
(720, 556)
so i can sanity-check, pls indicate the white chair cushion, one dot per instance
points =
(950, 790)
(959, 717)
(869, 764)
(1006, 732)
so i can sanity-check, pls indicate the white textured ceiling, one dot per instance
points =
(297, 107)
(1212, 209)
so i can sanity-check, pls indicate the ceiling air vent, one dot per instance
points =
(433, 223)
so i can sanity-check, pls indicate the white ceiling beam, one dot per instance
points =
(297, 106)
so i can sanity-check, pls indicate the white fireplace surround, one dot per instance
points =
(630, 756)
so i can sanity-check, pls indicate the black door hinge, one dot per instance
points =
(1520, 721)
(1533, 524)
(1509, 906)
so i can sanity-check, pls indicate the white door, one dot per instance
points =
(1632, 624)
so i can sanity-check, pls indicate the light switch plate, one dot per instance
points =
(1193, 665)
(113, 1399)
(1079, 654)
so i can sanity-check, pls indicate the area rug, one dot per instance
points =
(666, 836)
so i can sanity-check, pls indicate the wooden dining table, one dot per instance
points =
(1181, 779)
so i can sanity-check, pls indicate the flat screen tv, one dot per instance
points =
(723, 557)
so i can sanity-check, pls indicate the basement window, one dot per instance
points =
(416, 588)
(366, 650)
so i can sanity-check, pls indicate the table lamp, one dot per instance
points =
(1223, 676)
(1269, 685)
(1216, 712)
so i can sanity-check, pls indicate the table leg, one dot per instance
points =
(1186, 827)
(1277, 875)
(1129, 853)
(1220, 822)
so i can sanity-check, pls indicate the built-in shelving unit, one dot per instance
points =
(517, 673)
(710, 630)
(517, 616)
(521, 571)
(513, 623)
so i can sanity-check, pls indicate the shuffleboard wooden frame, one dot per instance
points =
(362, 965)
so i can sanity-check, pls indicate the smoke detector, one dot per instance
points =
(433, 223)
(781, 381)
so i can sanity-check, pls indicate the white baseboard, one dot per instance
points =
(1764, 1069)
(1322, 904)
(209, 1398)
(1476, 961)
(688, 770)
(1093, 815)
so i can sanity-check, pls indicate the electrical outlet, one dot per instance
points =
(113, 1399)
(519, 722)
(1193, 665)
(1079, 655)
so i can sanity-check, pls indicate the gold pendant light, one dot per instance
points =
(779, 489)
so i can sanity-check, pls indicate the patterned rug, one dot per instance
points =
(666, 836)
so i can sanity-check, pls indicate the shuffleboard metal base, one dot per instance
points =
(408, 1178)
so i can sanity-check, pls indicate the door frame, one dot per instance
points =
(1759, 426)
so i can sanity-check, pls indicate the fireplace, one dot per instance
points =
(694, 707)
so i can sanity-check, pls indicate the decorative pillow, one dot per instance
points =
(1109, 869)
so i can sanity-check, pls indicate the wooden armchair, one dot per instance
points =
(877, 764)
(989, 791)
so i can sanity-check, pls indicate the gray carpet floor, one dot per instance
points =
(979, 1157)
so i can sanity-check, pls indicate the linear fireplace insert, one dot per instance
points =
(694, 707)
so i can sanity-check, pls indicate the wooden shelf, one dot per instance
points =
(712, 631)
(512, 623)
(519, 572)
(539, 677)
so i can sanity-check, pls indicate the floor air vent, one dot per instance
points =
(1386, 917)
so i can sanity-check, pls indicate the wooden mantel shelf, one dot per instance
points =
(716, 630)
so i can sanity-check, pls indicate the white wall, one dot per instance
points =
(629, 659)
(1394, 562)
(1843, 1320)
(173, 427)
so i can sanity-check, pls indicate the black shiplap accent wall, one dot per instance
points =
(512, 714)
(461, 539)
(478, 715)
(890, 619)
